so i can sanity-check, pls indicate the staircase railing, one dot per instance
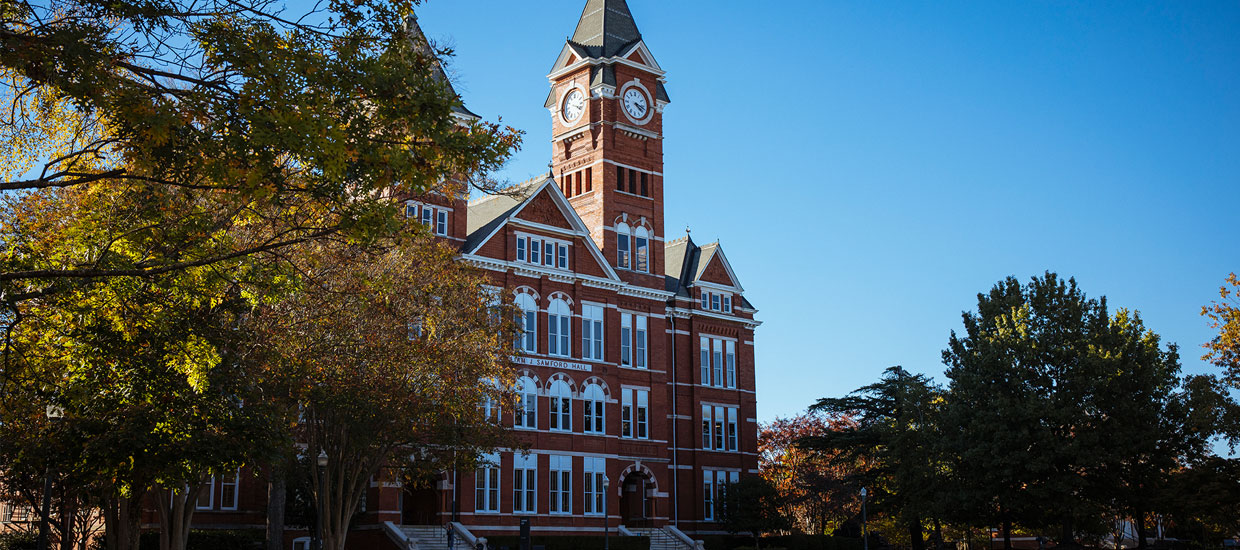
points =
(479, 543)
(624, 531)
(399, 537)
(684, 539)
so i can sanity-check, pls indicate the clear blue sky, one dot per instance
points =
(871, 166)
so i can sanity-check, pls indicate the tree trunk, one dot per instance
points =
(1067, 536)
(123, 522)
(757, 541)
(914, 534)
(277, 499)
(1138, 519)
(938, 534)
(1007, 534)
(176, 511)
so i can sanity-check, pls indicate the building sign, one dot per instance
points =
(552, 363)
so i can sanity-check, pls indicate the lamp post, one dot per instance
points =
(54, 414)
(318, 525)
(606, 519)
(865, 537)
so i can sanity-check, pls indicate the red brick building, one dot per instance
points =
(637, 363)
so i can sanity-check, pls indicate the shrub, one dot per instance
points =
(203, 539)
(570, 543)
(18, 541)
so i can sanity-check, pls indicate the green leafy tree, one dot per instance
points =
(892, 432)
(753, 505)
(1224, 316)
(390, 354)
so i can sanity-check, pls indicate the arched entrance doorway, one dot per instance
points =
(637, 503)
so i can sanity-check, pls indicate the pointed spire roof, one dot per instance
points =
(606, 28)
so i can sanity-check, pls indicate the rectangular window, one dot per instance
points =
(639, 343)
(411, 210)
(705, 361)
(531, 332)
(560, 484)
(727, 304)
(486, 485)
(622, 250)
(561, 256)
(718, 428)
(521, 244)
(717, 348)
(643, 413)
(626, 413)
(731, 360)
(427, 215)
(548, 253)
(708, 495)
(441, 223)
(489, 409)
(561, 413)
(633, 181)
(592, 486)
(557, 335)
(705, 300)
(732, 430)
(620, 178)
(645, 188)
(578, 178)
(228, 491)
(626, 339)
(535, 250)
(714, 302)
(589, 179)
(592, 332)
(527, 411)
(593, 416)
(524, 484)
(706, 427)
(641, 257)
(206, 497)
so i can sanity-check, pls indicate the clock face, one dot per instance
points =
(574, 105)
(635, 104)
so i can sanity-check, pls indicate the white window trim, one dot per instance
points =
(236, 486)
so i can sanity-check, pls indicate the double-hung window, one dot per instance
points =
(524, 484)
(592, 486)
(718, 362)
(206, 497)
(527, 404)
(641, 250)
(428, 213)
(228, 491)
(561, 256)
(634, 340)
(732, 430)
(560, 484)
(717, 349)
(561, 398)
(522, 245)
(593, 404)
(706, 429)
(529, 323)
(719, 428)
(592, 332)
(727, 304)
(635, 414)
(639, 343)
(441, 223)
(559, 318)
(708, 495)
(626, 339)
(623, 244)
(730, 357)
(705, 347)
(486, 485)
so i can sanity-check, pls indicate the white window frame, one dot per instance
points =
(210, 497)
(730, 360)
(623, 246)
(716, 353)
(733, 434)
(521, 248)
(487, 485)
(560, 485)
(560, 408)
(561, 256)
(641, 250)
(592, 332)
(529, 323)
(727, 303)
(705, 360)
(236, 489)
(302, 543)
(592, 488)
(525, 484)
(641, 342)
(707, 429)
(626, 413)
(708, 495)
(635, 413)
(642, 411)
(559, 329)
(718, 428)
(626, 340)
(526, 415)
(594, 410)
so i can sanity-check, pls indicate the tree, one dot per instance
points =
(753, 505)
(1224, 315)
(817, 495)
(390, 354)
(893, 431)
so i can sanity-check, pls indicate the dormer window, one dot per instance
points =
(712, 301)
(542, 251)
(434, 217)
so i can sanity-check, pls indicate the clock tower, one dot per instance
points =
(606, 102)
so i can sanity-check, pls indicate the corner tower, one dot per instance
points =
(607, 99)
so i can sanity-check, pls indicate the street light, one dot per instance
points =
(606, 520)
(318, 525)
(54, 414)
(865, 538)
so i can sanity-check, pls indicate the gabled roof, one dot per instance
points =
(606, 28)
(423, 46)
(685, 263)
(488, 215)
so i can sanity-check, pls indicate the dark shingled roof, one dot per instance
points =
(491, 211)
(606, 28)
(683, 264)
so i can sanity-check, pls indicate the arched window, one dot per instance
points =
(559, 321)
(561, 406)
(526, 415)
(594, 403)
(641, 250)
(622, 245)
(529, 323)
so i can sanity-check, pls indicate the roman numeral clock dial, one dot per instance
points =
(635, 104)
(574, 105)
